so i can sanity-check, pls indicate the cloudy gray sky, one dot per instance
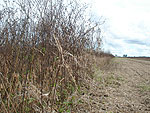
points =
(127, 26)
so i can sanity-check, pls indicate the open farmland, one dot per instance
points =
(126, 83)
(52, 61)
(141, 58)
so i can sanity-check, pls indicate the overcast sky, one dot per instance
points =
(127, 26)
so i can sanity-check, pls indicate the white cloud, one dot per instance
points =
(126, 20)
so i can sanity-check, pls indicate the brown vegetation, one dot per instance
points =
(46, 52)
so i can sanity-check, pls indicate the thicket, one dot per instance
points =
(44, 47)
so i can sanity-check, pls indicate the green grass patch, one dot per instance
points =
(145, 87)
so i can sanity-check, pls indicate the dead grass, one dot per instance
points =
(46, 54)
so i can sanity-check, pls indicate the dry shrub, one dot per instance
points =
(100, 59)
(43, 54)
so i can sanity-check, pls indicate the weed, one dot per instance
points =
(45, 50)
(145, 87)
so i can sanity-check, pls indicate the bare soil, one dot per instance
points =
(123, 86)
(141, 58)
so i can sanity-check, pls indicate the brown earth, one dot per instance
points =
(123, 86)
(141, 58)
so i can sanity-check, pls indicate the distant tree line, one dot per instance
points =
(125, 55)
